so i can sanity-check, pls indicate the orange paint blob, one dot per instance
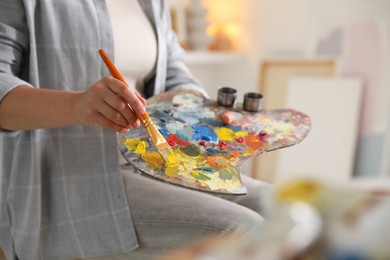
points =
(235, 153)
(253, 141)
(217, 162)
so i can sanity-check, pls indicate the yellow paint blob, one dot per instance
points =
(172, 161)
(132, 143)
(154, 159)
(241, 133)
(249, 152)
(299, 190)
(172, 165)
(199, 175)
(225, 134)
(141, 147)
(172, 171)
(230, 185)
(188, 162)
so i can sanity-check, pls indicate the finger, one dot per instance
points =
(226, 117)
(141, 98)
(102, 121)
(117, 103)
(127, 94)
(134, 121)
(112, 114)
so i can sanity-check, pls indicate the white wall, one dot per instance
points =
(282, 28)
(272, 27)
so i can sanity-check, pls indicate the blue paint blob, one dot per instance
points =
(204, 133)
(235, 128)
(206, 138)
(160, 116)
(212, 122)
(164, 131)
(187, 117)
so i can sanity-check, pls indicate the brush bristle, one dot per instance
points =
(166, 152)
(159, 141)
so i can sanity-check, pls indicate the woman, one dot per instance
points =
(63, 193)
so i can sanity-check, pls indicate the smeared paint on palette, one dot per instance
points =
(210, 153)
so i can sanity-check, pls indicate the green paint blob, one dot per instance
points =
(206, 169)
(191, 150)
(227, 173)
(201, 177)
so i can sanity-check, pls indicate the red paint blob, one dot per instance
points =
(174, 140)
(171, 141)
(263, 135)
(240, 140)
(222, 145)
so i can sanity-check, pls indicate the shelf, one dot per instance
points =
(211, 57)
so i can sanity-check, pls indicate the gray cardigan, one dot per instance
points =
(61, 195)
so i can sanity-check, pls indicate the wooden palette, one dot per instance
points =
(211, 153)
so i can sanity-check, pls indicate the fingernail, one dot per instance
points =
(142, 110)
(225, 118)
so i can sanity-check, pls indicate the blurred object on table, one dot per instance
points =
(310, 220)
(197, 26)
(226, 29)
(179, 24)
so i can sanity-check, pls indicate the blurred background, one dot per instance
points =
(327, 58)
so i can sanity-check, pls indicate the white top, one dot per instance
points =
(135, 45)
(135, 42)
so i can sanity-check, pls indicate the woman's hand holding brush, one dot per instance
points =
(106, 103)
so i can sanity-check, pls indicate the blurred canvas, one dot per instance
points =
(328, 152)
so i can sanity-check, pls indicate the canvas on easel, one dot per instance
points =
(274, 77)
(328, 153)
(358, 32)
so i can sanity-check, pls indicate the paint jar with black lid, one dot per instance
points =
(226, 96)
(253, 102)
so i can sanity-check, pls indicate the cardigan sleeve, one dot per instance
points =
(13, 45)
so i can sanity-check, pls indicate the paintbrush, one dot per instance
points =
(158, 140)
